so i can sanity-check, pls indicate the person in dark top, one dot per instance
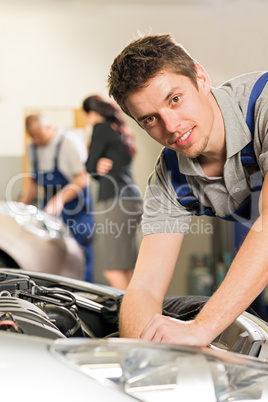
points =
(119, 205)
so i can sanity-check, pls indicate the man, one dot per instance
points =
(58, 166)
(156, 82)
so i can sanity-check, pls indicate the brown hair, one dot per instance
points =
(142, 60)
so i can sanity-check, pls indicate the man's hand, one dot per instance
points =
(55, 205)
(104, 166)
(170, 330)
(145, 294)
(69, 192)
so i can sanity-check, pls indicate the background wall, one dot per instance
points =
(53, 53)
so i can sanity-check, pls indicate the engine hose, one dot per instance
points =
(55, 296)
(64, 319)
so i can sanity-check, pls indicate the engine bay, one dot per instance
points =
(55, 307)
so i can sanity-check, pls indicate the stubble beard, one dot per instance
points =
(194, 154)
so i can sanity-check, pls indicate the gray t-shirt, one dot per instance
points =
(162, 211)
(72, 155)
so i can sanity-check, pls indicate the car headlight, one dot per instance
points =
(155, 372)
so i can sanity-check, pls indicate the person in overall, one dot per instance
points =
(119, 204)
(215, 140)
(57, 158)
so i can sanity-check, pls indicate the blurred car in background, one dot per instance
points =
(31, 239)
(59, 341)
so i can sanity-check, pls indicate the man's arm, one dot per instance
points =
(245, 280)
(152, 275)
(29, 191)
(68, 193)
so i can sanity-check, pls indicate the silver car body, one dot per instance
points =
(39, 242)
(118, 370)
(29, 372)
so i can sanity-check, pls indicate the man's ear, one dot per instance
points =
(202, 77)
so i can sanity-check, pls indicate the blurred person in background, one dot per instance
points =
(119, 204)
(57, 159)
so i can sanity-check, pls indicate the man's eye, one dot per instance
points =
(175, 99)
(149, 120)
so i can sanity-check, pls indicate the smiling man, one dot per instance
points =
(214, 139)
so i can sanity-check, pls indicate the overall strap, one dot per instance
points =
(58, 150)
(183, 191)
(35, 157)
(255, 93)
(248, 157)
(34, 153)
(185, 195)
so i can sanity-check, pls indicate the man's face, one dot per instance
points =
(174, 112)
(40, 135)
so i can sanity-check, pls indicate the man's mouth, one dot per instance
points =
(185, 136)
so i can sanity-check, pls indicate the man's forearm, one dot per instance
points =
(136, 311)
(247, 277)
(72, 190)
(29, 191)
(150, 281)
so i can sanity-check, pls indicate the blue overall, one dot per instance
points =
(76, 214)
(246, 211)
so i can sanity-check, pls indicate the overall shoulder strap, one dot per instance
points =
(34, 154)
(184, 193)
(178, 179)
(58, 149)
(255, 93)
(248, 157)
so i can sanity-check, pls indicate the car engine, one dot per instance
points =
(53, 307)
(44, 305)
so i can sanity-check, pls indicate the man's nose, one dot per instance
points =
(170, 121)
